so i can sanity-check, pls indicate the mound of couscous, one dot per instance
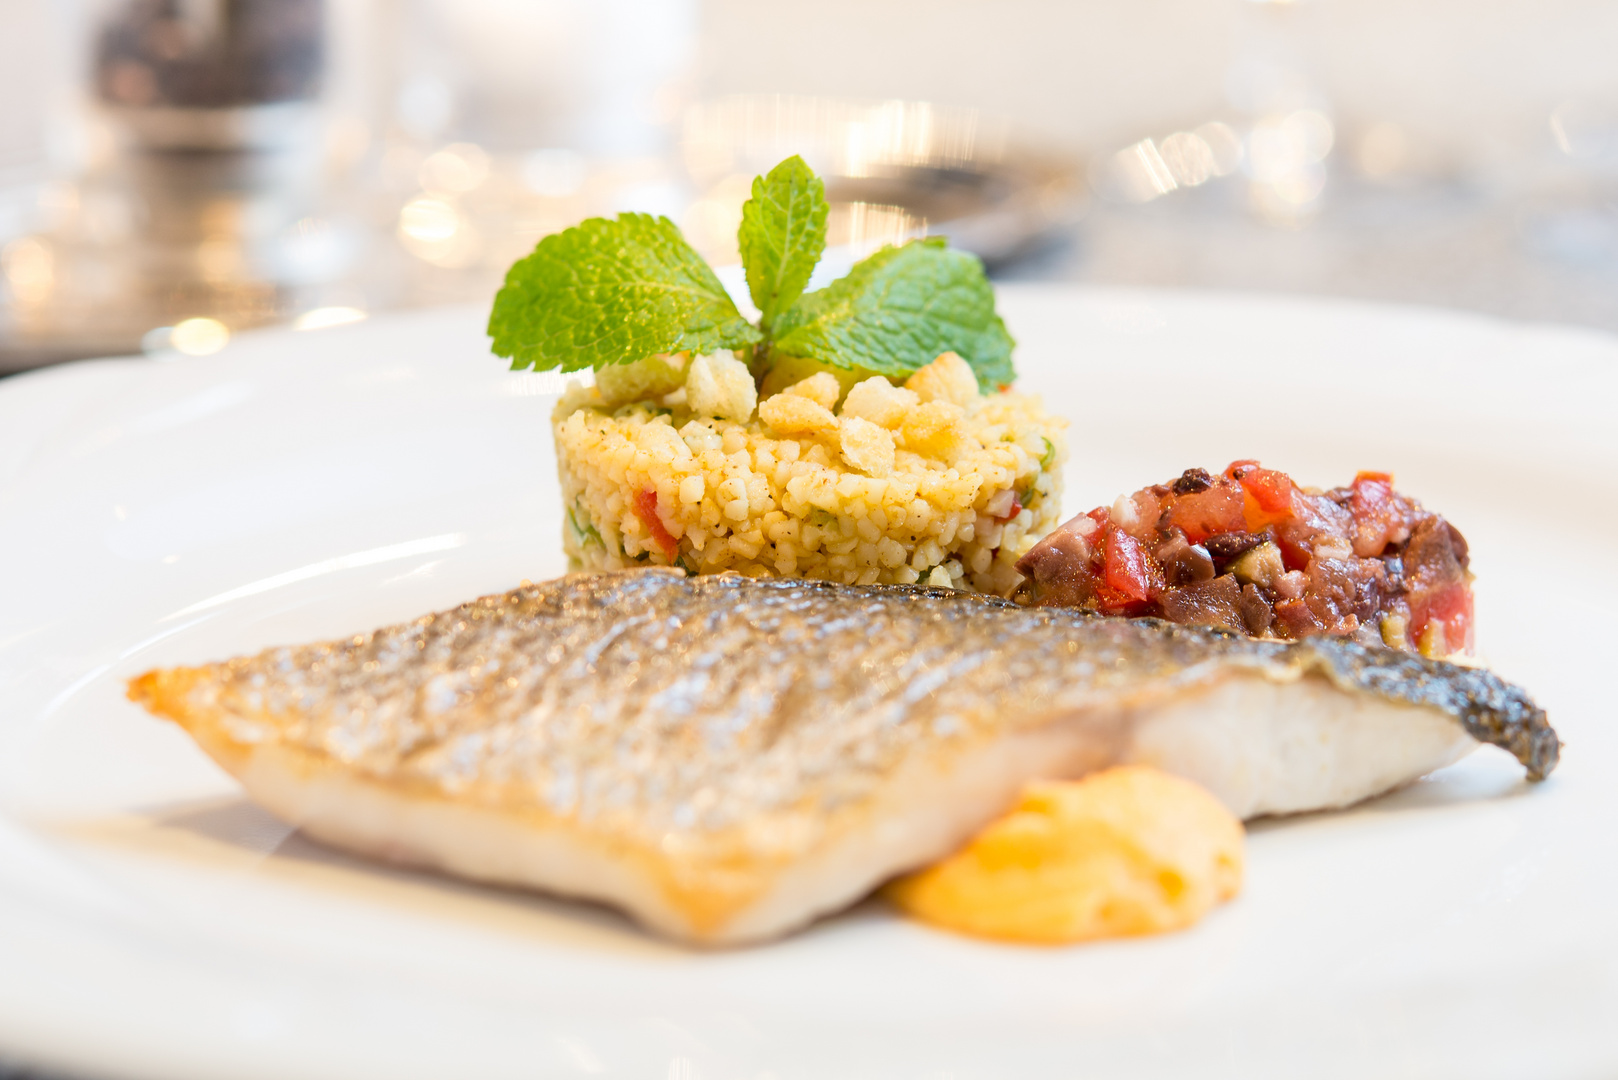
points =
(678, 461)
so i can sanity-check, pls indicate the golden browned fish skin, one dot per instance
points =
(715, 736)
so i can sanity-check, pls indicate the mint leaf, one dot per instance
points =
(612, 292)
(897, 310)
(783, 235)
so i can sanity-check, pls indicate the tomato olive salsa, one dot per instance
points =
(1251, 551)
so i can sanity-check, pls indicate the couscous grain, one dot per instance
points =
(928, 482)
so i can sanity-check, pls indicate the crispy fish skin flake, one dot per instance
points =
(727, 758)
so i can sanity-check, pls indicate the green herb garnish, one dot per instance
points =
(897, 310)
(615, 291)
(783, 235)
(611, 292)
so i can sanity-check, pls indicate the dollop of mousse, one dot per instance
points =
(1130, 850)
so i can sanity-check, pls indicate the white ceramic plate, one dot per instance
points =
(154, 924)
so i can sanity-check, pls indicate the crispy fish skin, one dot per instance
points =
(1488, 708)
(727, 758)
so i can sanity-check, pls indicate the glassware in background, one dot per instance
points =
(36, 84)
(1463, 185)
(1275, 136)
(1342, 147)
(1569, 204)
(893, 170)
(200, 205)
(275, 161)
(1288, 126)
(26, 62)
(506, 120)
(270, 161)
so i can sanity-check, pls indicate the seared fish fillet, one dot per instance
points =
(726, 758)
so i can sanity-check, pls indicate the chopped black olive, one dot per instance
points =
(1227, 546)
(1192, 481)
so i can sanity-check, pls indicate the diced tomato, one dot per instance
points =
(1372, 493)
(1296, 540)
(1126, 565)
(1268, 497)
(1267, 493)
(1015, 509)
(1458, 628)
(1109, 601)
(1296, 619)
(1214, 510)
(1453, 608)
(1270, 488)
(1404, 562)
(646, 510)
(1377, 519)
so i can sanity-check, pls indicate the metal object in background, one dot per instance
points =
(212, 74)
(892, 169)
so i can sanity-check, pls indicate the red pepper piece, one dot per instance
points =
(646, 510)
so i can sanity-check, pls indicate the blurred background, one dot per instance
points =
(173, 172)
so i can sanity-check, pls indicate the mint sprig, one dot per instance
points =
(616, 291)
(783, 235)
(612, 292)
(897, 310)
